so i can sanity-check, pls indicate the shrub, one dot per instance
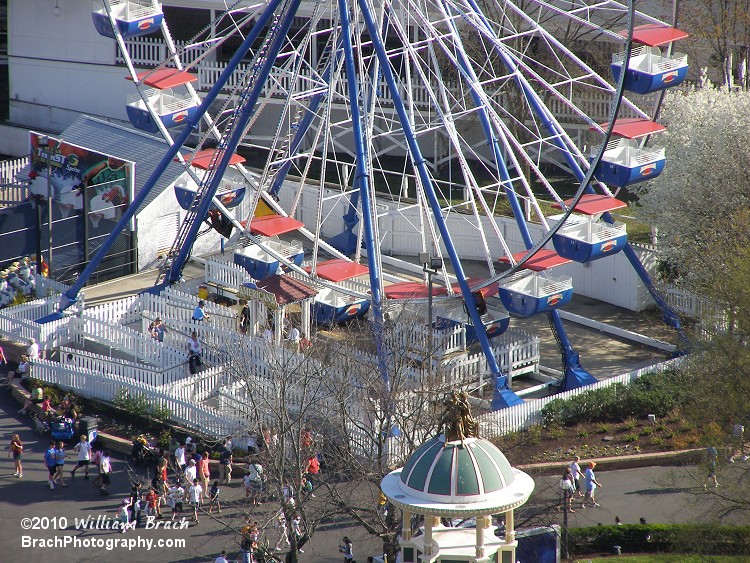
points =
(657, 440)
(555, 433)
(632, 437)
(647, 430)
(582, 433)
(655, 393)
(629, 424)
(603, 429)
(661, 538)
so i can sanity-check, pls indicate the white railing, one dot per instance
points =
(123, 311)
(45, 287)
(225, 274)
(177, 306)
(522, 417)
(106, 387)
(131, 371)
(140, 346)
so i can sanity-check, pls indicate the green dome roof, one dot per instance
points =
(456, 472)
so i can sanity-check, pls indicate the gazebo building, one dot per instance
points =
(457, 475)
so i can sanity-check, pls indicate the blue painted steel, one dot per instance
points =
(523, 304)
(621, 175)
(584, 251)
(127, 28)
(71, 296)
(229, 198)
(243, 115)
(141, 119)
(419, 163)
(642, 82)
(493, 327)
(325, 314)
(362, 181)
(262, 268)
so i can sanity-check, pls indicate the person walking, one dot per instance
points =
(83, 449)
(50, 460)
(199, 315)
(347, 549)
(575, 469)
(213, 496)
(283, 534)
(195, 495)
(225, 463)
(591, 484)
(297, 531)
(179, 459)
(244, 316)
(222, 558)
(60, 463)
(568, 489)
(195, 353)
(105, 470)
(204, 472)
(712, 454)
(16, 451)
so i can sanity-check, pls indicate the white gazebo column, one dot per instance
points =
(406, 525)
(480, 536)
(428, 523)
(305, 328)
(278, 333)
(510, 532)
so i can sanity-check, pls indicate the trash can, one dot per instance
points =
(87, 427)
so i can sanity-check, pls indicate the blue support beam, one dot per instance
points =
(362, 182)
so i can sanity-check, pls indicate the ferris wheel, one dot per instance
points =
(409, 127)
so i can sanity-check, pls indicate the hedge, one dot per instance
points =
(660, 538)
(654, 393)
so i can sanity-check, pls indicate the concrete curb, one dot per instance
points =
(679, 457)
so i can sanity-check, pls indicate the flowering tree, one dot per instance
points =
(694, 202)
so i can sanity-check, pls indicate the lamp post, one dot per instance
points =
(43, 144)
(431, 265)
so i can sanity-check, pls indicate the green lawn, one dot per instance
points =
(667, 559)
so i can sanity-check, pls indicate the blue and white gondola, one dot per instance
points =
(133, 17)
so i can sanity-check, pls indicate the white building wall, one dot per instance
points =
(611, 279)
(52, 60)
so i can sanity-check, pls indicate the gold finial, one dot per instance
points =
(456, 421)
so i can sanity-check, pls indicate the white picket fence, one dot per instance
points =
(225, 274)
(140, 346)
(131, 371)
(123, 311)
(184, 410)
(523, 416)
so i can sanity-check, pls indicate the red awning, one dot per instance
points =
(412, 290)
(654, 34)
(272, 225)
(202, 159)
(164, 78)
(486, 291)
(287, 290)
(633, 127)
(594, 204)
(542, 260)
(338, 269)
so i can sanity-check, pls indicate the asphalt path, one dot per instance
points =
(32, 513)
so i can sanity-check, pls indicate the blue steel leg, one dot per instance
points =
(507, 397)
(362, 181)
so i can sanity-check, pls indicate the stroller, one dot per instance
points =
(41, 426)
(62, 428)
(142, 453)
